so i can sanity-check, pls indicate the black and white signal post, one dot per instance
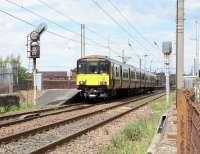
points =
(33, 49)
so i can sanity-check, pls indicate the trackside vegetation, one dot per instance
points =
(22, 106)
(136, 137)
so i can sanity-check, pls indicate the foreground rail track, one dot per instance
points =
(17, 118)
(40, 139)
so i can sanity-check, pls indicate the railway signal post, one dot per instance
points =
(33, 49)
(167, 50)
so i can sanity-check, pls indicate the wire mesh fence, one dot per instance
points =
(188, 124)
(6, 79)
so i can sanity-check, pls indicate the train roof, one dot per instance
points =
(116, 62)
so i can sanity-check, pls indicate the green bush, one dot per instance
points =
(134, 132)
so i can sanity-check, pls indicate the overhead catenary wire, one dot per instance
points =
(130, 24)
(49, 20)
(48, 31)
(117, 23)
(69, 17)
(121, 27)
(75, 21)
(53, 33)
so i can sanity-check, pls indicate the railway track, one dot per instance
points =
(11, 119)
(27, 116)
(40, 139)
(5, 116)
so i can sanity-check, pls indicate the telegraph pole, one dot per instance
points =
(82, 40)
(123, 57)
(197, 49)
(109, 51)
(181, 124)
(180, 46)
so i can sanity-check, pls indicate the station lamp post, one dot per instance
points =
(33, 50)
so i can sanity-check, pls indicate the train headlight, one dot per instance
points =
(103, 83)
(82, 82)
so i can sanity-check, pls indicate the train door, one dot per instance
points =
(121, 77)
(113, 76)
(129, 76)
(140, 79)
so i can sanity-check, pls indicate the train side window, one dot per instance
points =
(142, 76)
(117, 71)
(125, 74)
(138, 75)
(132, 75)
(135, 75)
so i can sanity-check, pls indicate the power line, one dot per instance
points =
(117, 23)
(51, 32)
(30, 24)
(129, 23)
(68, 17)
(76, 22)
(36, 14)
(73, 20)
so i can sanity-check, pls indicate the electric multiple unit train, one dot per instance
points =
(103, 77)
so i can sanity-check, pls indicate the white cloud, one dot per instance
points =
(192, 4)
(155, 24)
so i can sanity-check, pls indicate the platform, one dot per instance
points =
(57, 96)
(167, 144)
(165, 141)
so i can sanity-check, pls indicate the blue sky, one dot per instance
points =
(155, 20)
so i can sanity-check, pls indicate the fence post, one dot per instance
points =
(182, 123)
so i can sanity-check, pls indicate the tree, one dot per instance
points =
(16, 63)
(22, 73)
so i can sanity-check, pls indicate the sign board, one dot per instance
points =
(39, 81)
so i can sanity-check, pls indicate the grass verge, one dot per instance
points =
(136, 137)
(22, 106)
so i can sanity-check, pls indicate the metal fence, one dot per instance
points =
(188, 124)
(8, 78)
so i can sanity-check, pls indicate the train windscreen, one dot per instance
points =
(93, 67)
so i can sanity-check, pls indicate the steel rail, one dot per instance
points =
(37, 116)
(68, 120)
(15, 118)
(79, 133)
(9, 116)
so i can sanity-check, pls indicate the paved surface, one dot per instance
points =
(167, 144)
(57, 96)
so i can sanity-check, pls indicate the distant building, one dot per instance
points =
(54, 75)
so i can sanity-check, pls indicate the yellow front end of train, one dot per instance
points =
(93, 77)
(92, 80)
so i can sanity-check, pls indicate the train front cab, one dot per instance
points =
(93, 77)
